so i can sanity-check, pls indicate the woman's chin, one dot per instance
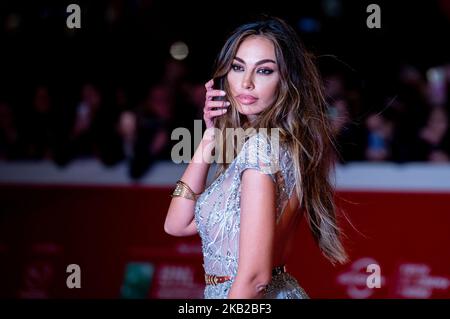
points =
(245, 111)
(249, 114)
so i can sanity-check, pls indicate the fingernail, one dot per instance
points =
(227, 103)
(222, 93)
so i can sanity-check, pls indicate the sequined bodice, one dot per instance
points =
(217, 210)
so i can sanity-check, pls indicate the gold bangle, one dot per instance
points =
(187, 186)
(183, 190)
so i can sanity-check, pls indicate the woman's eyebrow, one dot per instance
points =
(257, 63)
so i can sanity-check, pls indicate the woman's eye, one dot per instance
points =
(265, 71)
(236, 67)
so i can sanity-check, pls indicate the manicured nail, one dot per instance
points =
(222, 93)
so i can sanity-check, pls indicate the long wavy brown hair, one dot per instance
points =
(300, 114)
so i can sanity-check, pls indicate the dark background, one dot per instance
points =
(122, 49)
(130, 50)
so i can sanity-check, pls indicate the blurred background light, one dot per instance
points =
(309, 25)
(332, 8)
(179, 50)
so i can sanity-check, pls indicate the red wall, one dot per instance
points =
(105, 230)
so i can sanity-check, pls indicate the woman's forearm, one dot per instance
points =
(181, 210)
(196, 172)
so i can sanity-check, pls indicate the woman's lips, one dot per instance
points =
(246, 99)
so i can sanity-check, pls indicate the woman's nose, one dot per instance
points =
(247, 83)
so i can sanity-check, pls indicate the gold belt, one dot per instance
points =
(215, 280)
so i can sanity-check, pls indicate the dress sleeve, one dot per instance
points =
(260, 154)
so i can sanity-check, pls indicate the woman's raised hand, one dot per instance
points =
(213, 108)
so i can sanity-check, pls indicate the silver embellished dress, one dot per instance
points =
(217, 215)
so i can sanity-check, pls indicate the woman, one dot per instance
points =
(248, 216)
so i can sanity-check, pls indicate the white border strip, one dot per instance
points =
(353, 176)
(390, 176)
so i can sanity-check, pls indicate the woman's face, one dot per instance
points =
(254, 76)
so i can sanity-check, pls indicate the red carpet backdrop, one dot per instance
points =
(115, 235)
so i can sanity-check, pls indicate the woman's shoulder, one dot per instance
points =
(262, 151)
(265, 145)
